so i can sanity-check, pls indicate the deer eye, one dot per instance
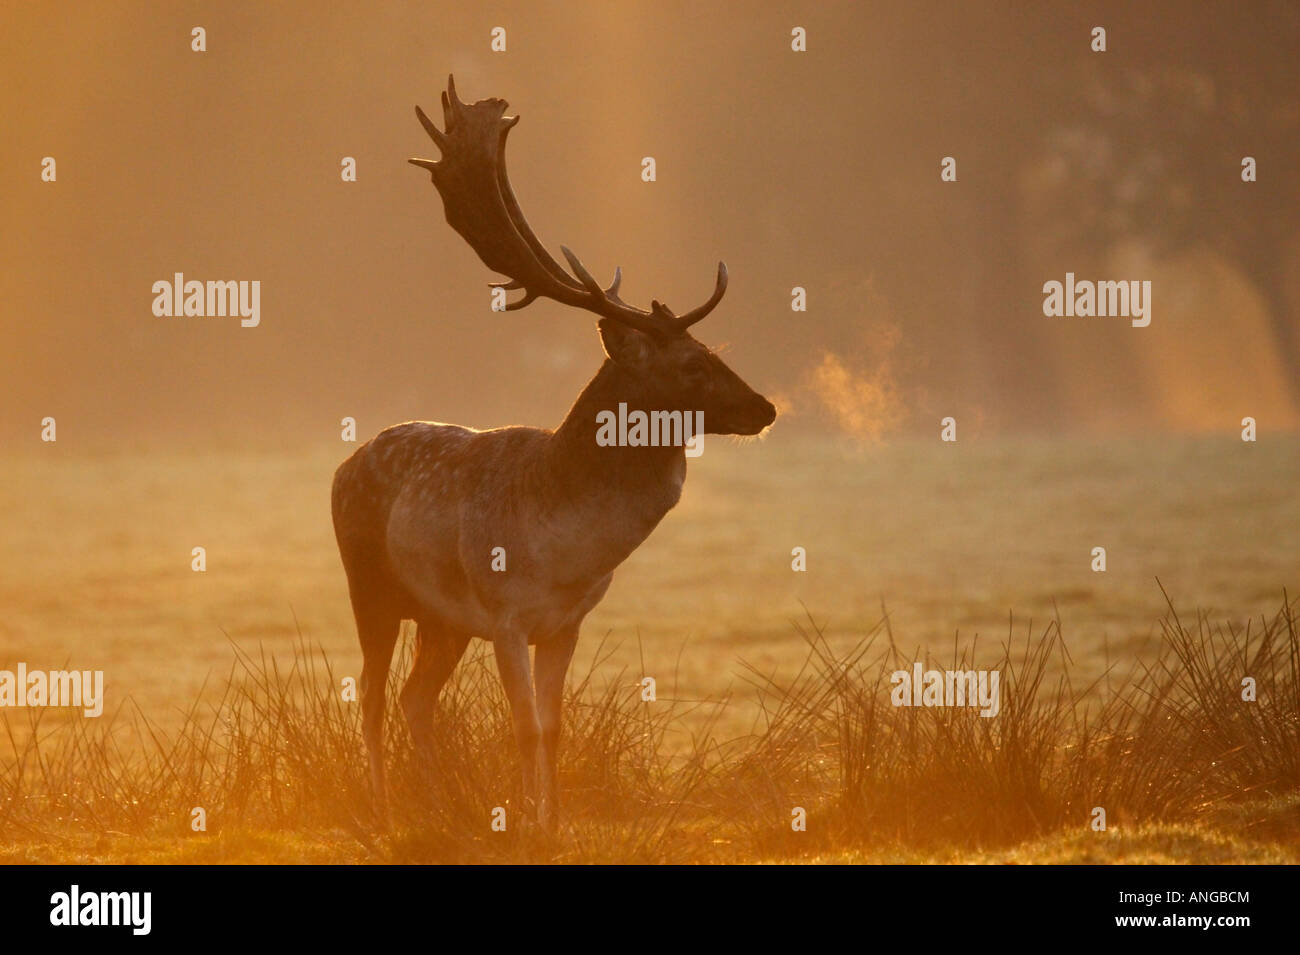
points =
(695, 370)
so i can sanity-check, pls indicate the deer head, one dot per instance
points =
(664, 367)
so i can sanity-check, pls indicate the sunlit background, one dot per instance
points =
(818, 170)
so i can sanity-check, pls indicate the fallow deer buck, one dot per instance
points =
(420, 508)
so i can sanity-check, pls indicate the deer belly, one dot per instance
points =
(488, 607)
(443, 593)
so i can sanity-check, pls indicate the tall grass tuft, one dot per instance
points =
(280, 753)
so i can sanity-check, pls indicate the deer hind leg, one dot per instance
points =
(436, 654)
(553, 656)
(378, 628)
(512, 662)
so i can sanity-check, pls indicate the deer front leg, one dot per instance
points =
(511, 650)
(553, 656)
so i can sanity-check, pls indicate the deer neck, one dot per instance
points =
(648, 479)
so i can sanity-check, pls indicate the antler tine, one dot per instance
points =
(452, 107)
(529, 295)
(437, 135)
(514, 285)
(696, 314)
(581, 272)
(602, 304)
(611, 293)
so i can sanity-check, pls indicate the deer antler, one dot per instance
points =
(481, 206)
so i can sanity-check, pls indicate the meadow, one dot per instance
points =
(224, 686)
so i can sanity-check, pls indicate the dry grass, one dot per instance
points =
(1185, 769)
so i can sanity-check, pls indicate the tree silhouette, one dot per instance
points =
(1155, 153)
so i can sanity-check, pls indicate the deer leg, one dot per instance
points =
(511, 650)
(378, 631)
(553, 658)
(436, 656)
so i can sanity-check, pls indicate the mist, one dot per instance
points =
(924, 297)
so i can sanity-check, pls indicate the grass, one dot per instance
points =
(1185, 769)
(95, 561)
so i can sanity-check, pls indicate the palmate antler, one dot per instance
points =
(481, 206)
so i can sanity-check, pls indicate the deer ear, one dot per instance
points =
(624, 344)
